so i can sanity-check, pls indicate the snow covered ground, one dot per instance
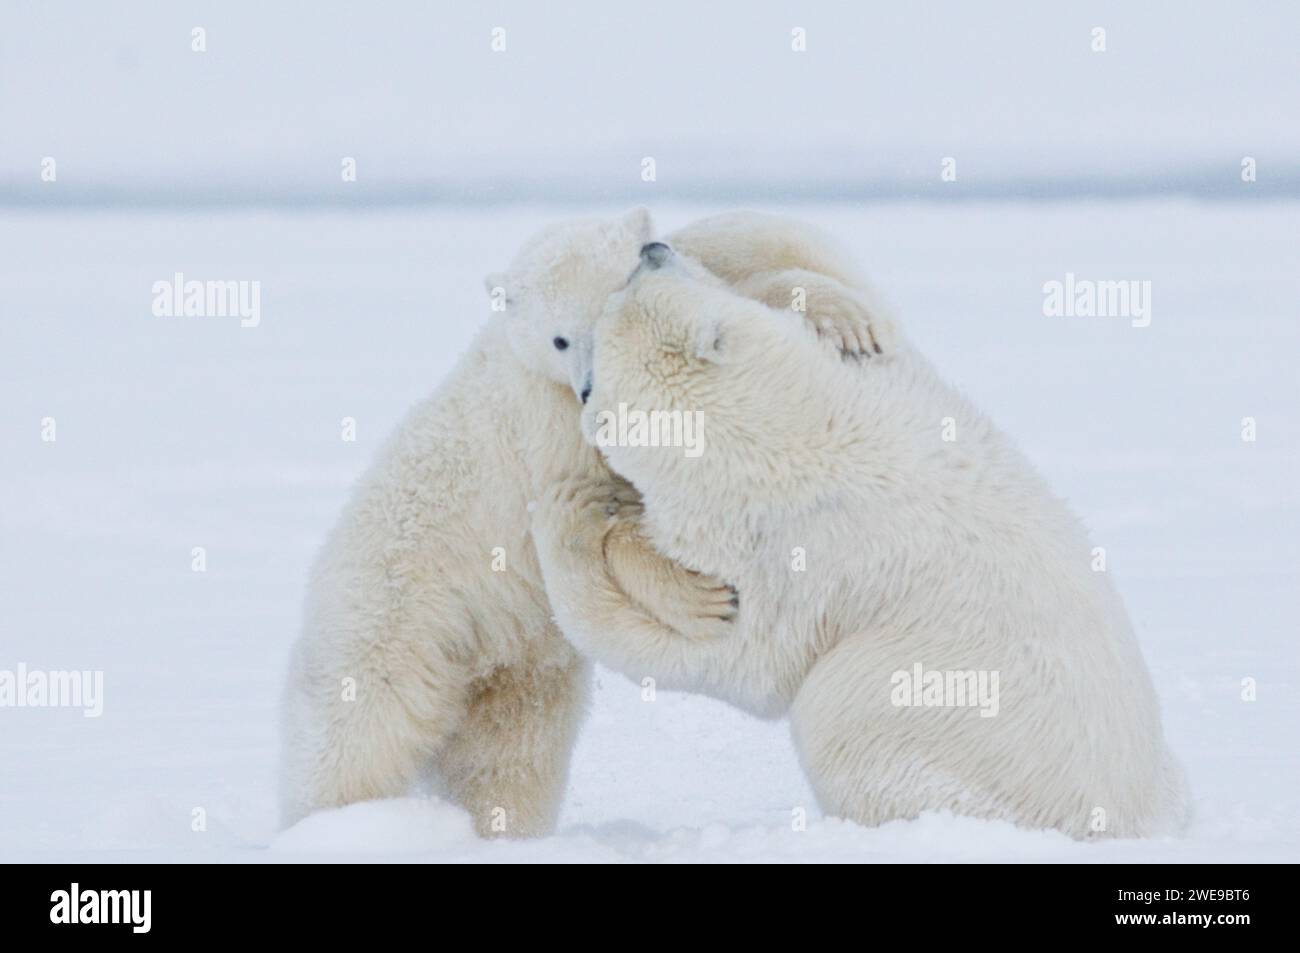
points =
(176, 433)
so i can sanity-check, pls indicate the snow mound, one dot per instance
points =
(396, 826)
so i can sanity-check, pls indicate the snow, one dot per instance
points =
(175, 433)
(396, 826)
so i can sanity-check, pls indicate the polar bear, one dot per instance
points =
(924, 610)
(428, 648)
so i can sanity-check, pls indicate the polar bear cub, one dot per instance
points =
(890, 581)
(428, 647)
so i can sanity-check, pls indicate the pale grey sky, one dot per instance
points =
(583, 91)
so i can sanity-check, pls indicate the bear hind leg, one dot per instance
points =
(362, 731)
(508, 762)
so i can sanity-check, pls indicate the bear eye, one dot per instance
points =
(560, 343)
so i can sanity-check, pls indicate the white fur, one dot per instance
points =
(954, 555)
(458, 671)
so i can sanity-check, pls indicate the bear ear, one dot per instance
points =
(639, 224)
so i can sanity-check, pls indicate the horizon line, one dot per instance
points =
(573, 191)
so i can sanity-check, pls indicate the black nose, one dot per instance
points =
(655, 254)
(586, 392)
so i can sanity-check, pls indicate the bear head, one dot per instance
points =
(709, 399)
(555, 287)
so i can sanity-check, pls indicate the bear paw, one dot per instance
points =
(578, 513)
(851, 325)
